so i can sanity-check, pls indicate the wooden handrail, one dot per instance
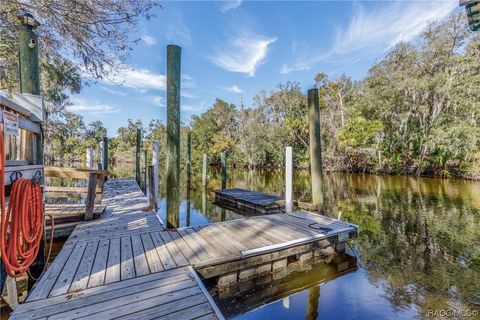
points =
(51, 189)
(60, 172)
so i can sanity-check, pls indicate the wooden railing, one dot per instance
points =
(92, 193)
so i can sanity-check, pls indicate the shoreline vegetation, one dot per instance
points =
(416, 112)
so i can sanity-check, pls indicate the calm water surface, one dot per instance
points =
(418, 247)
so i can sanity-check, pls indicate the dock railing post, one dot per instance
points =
(89, 158)
(204, 170)
(223, 157)
(155, 163)
(173, 134)
(315, 147)
(137, 156)
(288, 179)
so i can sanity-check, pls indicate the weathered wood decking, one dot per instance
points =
(97, 272)
(249, 201)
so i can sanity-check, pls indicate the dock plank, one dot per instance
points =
(97, 276)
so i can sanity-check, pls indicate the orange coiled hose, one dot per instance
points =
(21, 224)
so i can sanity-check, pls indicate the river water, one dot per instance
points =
(417, 254)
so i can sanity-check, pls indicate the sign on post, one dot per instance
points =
(10, 123)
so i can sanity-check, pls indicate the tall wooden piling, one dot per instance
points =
(223, 159)
(288, 179)
(315, 147)
(145, 164)
(155, 163)
(204, 170)
(173, 135)
(104, 153)
(137, 155)
(28, 55)
(89, 158)
(30, 83)
(189, 155)
(151, 188)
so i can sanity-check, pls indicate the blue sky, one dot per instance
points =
(234, 49)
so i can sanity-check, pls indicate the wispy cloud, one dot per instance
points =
(385, 27)
(230, 5)
(372, 31)
(149, 40)
(158, 101)
(244, 52)
(233, 89)
(177, 31)
(92, 108)
(112, 91)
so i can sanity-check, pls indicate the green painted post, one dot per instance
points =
(173, 135)
(137, 155)
(105, 153)
(223, 157)
(204, 170)
(315, 147)
(29, 66)
(30, 83)
(189, 156)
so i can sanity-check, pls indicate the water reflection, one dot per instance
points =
(279, 298)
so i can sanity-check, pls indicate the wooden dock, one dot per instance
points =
(101, 267)
(248, 201)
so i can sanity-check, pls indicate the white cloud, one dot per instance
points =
(142, 79)
(149, 40)
(178, 32)
(230, 5)
(116, 92)
(158, 101)
(92, 108)
(244, 52)
(383, 28)
(187, 95)
(372, 32)
(233, 89)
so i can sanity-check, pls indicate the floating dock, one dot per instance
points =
(128, 265)
(248, 201)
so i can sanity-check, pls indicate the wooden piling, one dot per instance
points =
(204, 170)
(223, 159)
(315, 147)
(30, 83)
(173, 135)
(288, 179)
(145, 164)
(28, 56)
(104, 154)
(189, 155)
(137, 155)
(90, 202)
(89, 158)
(155, 163)
(151, 187)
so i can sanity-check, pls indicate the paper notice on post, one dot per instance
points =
(10, 123)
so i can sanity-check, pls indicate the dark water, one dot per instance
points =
(418, 249)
